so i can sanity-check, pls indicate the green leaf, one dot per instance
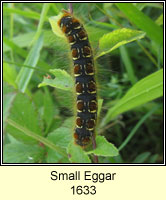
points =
(76, 154)
(62, 80)
(8, 98)
(7, 89)
(23, 112)
(22, 153)
(54, 157)
(61, 136)
(25, 74)
(49, 109)
(142, 21)
(141, 158)
(38, 99)
(116, 38)
(159, 20)
(67, 123)
(153, 158)
(37, 137)
(9, 74)
(104, 148)
(54, 25)
(147, 89)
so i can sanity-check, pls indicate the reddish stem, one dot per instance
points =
(70, 8)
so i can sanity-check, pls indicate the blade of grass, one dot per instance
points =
(28, 14)
(141, 158)
(36, 137)
(11, 30)
(148, 54)
(109, 16)
(104, 24)
(128, 64)
(142, 21)
(134, 130)
(43, 15)
(100, 103)
(147, 89)
(25, 74)
(54, 7)
(23, 53)
(27, 66)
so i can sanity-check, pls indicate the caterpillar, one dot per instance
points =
(84, 73)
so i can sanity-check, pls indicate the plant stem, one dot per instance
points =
(95, 158)
(70, 8)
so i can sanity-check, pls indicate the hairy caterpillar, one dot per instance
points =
(85, 84)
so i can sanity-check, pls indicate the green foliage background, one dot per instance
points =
(127, 39)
